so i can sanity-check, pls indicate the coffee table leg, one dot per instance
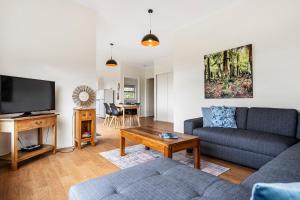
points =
(122, 146)
(168, 153)
(197, 157)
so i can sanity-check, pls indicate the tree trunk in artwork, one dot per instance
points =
(231, 70)
(208, 69)
(237, 64)
(225, 63)
(250, 57)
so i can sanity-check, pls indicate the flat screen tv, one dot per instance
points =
(24, 95)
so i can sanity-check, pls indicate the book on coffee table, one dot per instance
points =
(168, 136)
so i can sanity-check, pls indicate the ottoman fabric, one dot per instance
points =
(161, 179)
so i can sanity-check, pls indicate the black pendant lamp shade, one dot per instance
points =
(150, 40)
(111, 62)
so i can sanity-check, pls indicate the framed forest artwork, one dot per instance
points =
(229, 74)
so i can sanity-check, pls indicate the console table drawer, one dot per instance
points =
(33, 124)
(87, 115)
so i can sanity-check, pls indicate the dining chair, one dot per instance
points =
(116, 116)
(108, 115)
(114, 105)
(133, 116)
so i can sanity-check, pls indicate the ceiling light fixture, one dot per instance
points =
(111, 62)
(150, 40)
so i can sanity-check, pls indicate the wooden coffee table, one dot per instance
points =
(150, 138)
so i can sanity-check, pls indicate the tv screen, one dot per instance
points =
(23, 95)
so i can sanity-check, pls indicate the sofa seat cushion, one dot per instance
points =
(161, 179)
(284, 168)
(253, 141)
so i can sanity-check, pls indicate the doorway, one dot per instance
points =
(149, 97)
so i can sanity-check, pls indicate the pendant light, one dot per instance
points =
(111, 62)
(150, 40)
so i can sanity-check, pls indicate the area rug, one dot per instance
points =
(137, 154)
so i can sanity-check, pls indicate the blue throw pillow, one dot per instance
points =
(207, 115)
(223, 117)
(276, 191)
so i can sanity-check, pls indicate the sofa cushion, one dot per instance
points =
(207, 117)
(254, 141)
(241, 114)
(276, 191)
(273, 120)
(156, 180)
(223, 116)
(284, 168)
(235, 155)
(240, 117)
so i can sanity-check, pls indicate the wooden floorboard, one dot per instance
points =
(50, 176)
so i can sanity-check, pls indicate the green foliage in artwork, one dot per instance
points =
(228, 74)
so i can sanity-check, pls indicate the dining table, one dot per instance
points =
(125, 107)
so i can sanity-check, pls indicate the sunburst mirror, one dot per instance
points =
(84, 96)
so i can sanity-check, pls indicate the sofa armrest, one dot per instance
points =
(191, 124)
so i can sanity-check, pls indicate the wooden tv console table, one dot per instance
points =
(16, 125)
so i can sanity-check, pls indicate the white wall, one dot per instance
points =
(163, 65)
(149, 72)
(108, 78)
(53, 40)
(273, 29)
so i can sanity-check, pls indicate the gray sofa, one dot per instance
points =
(165, 179)
(262, 134)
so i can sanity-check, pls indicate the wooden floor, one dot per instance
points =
(50, 176)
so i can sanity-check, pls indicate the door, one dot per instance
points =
(162, 97)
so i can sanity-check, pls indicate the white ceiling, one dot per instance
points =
(125, 22)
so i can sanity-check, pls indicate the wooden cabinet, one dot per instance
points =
(85, 126)
(16, 125)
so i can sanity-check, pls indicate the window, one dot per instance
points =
(129, 92)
